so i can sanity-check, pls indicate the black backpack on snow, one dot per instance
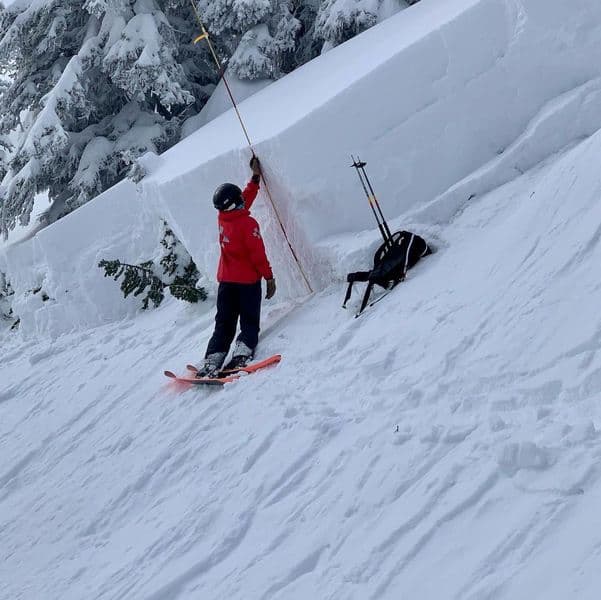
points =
(391, 262)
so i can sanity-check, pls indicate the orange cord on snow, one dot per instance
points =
(205, 36)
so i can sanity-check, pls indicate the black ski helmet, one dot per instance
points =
(227, 196)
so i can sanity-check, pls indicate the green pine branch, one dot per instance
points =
(137, 279)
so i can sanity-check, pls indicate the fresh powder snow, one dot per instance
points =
(444, 445)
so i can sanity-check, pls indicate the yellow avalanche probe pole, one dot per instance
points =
(204, 35)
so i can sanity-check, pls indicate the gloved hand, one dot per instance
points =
(255, 165)
(270, 289)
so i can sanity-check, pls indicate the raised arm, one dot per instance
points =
(251, 190)
(252, 187)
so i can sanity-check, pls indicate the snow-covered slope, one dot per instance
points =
(444, 445)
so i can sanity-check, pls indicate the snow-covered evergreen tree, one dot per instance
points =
(173, 269)
(268, 38)
(177, 268)
(95, 84)
(5, 145)
(260, 35)
(339, 20)
(6, 293)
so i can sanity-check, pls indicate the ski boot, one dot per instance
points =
(211, 366)
(241, 357)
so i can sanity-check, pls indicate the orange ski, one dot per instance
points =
(226, 376)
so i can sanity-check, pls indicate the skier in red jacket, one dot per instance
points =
(242, 265)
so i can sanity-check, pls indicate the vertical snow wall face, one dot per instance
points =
(444, 100)
(58, 285)
(427, 98)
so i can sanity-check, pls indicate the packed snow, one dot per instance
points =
(443, 445)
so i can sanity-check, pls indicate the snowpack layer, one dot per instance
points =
(427, 98)
(445, 100)
(444, 445)
(61, 262)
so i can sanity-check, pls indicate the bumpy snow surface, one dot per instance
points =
(444, 445)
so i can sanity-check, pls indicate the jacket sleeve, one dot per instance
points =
(250, 191)
(256, 249)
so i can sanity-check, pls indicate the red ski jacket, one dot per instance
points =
(243, 258)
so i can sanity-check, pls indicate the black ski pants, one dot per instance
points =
(236, 300)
